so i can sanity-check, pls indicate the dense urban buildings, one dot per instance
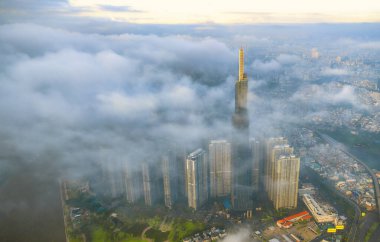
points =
(220, 168)
(196, 181)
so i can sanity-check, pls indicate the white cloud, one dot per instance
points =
(116, 103)
(147, 85)
(242, 235)
(286, 59)
(266, 66)
(370, 45)
(328, 94)
(334, 72)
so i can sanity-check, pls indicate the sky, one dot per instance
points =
(205, 11)
(239, 11)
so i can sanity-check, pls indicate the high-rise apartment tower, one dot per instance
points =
(220, 168)
(196, 179)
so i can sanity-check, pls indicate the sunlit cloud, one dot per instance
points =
(227, 12)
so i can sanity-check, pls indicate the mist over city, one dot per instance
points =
(107, 110)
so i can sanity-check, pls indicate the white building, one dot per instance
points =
(319, 214)
(196, 178)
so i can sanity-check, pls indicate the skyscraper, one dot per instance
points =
(282, 174)
(152, 183)
(112, 176)
(170, 179)
(277, 151)
(240, 119)
(220, 168)
(147, 184)
(241, 196)
(271, 142)
(181, 164)
(285, 181)
(196, 179)
(133, 182)
(257, 156)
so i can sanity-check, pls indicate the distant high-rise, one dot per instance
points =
(152, 183)
(112, 176)
(220, 168)
(257, 153)
(196, 179)
(314, 53)
(241, 196)
(133, 182)
(170, 179)
(282, 174)
(147, 184)
(181, 164)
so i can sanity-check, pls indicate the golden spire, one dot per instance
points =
(241, 64)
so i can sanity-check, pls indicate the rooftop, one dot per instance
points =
(196, 153)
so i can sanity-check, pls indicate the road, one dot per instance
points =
(143, 233)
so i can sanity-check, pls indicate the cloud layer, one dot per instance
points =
(136, 95)
(123, 92)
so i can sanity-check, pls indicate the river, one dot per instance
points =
(30, 201)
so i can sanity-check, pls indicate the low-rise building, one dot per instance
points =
(318, 212)
(288, 221)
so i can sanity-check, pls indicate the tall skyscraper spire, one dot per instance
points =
(241, 64)
(241, 92)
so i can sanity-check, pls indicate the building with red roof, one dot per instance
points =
(288, 221)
